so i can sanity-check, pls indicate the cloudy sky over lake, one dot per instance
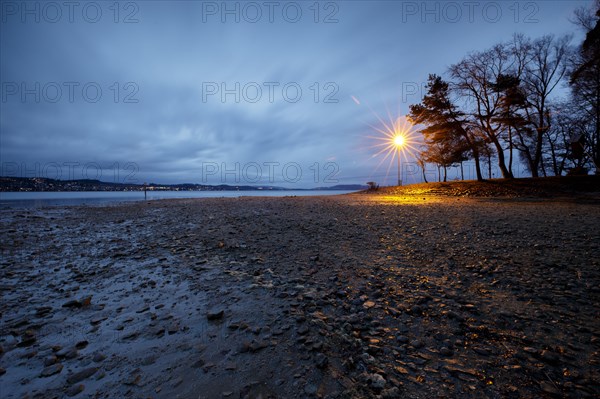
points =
(281, 93)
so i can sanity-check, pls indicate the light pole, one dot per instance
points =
(399, 142)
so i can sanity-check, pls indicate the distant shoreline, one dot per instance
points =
(37, 184)
(28, 199)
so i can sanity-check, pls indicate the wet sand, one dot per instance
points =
(348, 296)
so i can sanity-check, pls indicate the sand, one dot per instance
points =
(347, 296)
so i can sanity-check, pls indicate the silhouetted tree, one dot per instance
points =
(444, 154)
(421, 162)
(544, 71)
(474, 77)
(512, 102)
(500, 100)
(585, 80)
(445, 127)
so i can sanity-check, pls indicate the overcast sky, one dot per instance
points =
(281, 93)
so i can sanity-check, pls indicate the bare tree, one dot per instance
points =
(563, 130)
(545, 70)
(474, 78)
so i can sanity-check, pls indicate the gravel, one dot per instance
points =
(360, 296)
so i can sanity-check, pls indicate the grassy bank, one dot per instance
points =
(524, 187)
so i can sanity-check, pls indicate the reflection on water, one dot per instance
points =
(53, 198)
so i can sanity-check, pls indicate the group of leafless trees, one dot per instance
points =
(503, 105)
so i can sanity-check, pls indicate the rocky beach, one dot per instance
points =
(354, 296)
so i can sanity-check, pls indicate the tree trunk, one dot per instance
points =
(462, 171)
(477, 166)
(445, 173)
(537, 156)
(596, 156)
(554, 156)
(501, 163)
(543, 167)
(510, 151)
(475, 150)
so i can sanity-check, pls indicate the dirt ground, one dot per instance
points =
(355, 296)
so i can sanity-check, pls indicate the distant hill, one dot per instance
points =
(345, 187)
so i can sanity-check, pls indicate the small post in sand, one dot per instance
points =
(145, 191)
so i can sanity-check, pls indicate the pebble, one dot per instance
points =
(75, 389)
(550, 357)
(445, 351)
(391, 393)
(321, 360)
(377, 381)
(255, 346)
(81, 375)
(173, 328)
(550, 389)
(50, 360)
(303, 329)
(133, 379)
(215, 314)
(177, 382)
(43, 311)
(51, 370)
(482, 351)
(81, 344)
(417, 343)
(67, 353)
(27, 339)
(530, 350)
(368, 304)
(403, 339)
(97, 320)
(72, 304)
(231, 366)
(310, 389)
(98, 357)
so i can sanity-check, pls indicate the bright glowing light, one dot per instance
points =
(395, 142)
(399, 140)
(395, 136)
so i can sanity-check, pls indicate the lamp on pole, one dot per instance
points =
(399, 143)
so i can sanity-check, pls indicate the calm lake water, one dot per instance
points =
(54, 198)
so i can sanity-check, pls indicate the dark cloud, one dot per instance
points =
(154, 111)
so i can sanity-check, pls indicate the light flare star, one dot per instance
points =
(396, 141)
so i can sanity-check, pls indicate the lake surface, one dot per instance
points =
(56, 198)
